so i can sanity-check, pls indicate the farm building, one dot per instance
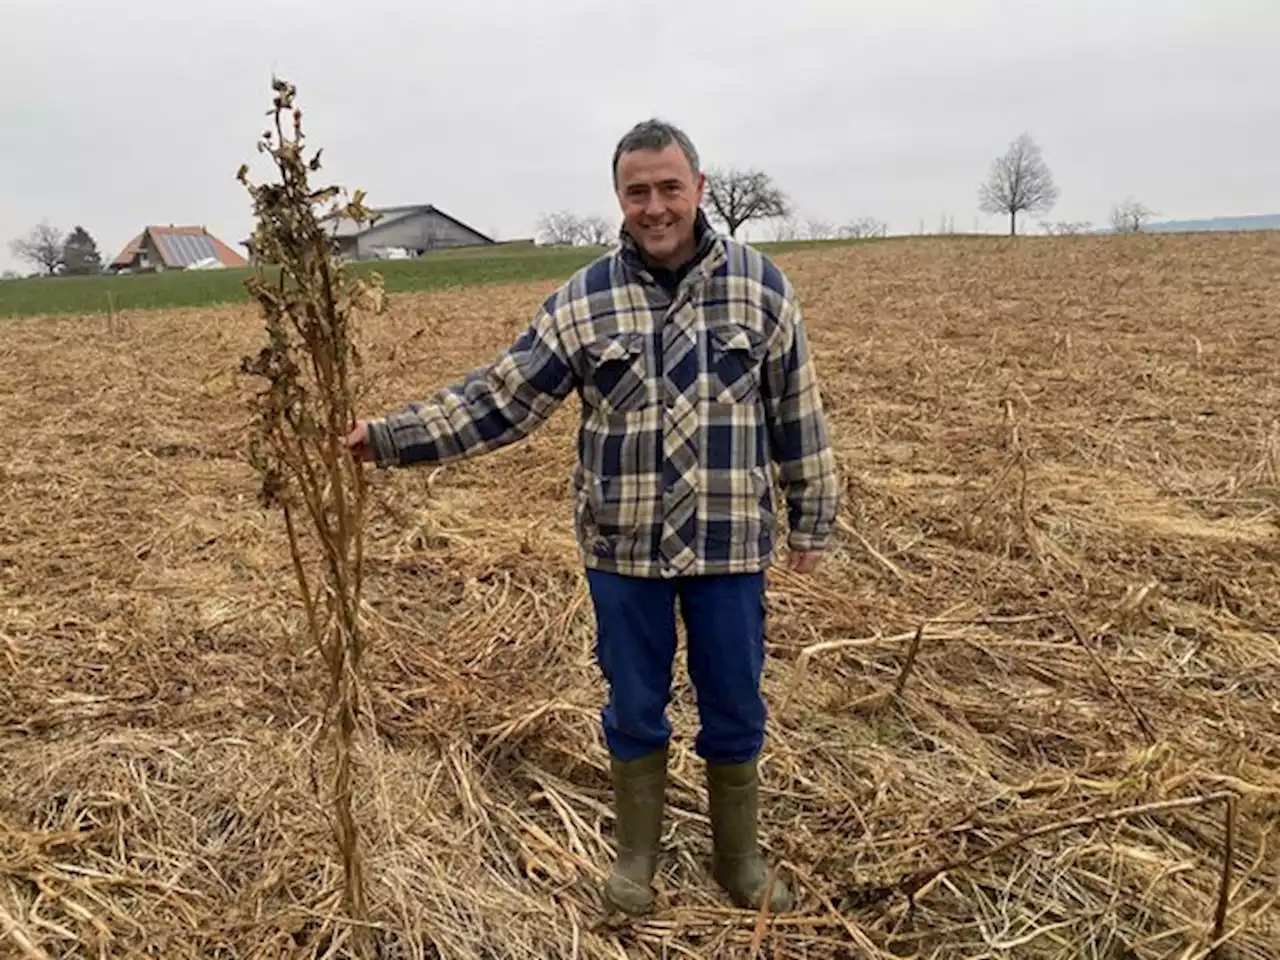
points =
(414, 229)
(175, 248)
(401, 231)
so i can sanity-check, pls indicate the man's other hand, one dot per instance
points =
(804, 561)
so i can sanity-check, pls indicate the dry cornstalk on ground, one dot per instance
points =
(1062, 460)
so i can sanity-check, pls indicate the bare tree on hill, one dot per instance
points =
(1130, 216)
(560, 228)
(596, 231)
(566, 229)
(786, 228)
(42, 247)
(1066, 228)
(737, 197)
(864, 228)
(1020, 181)
(817, 229)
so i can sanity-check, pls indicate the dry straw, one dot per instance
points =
(306, 406)
(1029, 707)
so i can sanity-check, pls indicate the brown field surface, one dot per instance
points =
(1062, 457)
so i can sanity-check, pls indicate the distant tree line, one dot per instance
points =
(734, 198)
(54, 252)
(1019, 182)
(792, 227)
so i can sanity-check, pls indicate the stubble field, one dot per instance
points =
(1043, 653)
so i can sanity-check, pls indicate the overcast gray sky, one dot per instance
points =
(119, 113)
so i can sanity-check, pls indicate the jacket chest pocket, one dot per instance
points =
(617, 378)
(735, 357)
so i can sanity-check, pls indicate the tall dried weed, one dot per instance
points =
(309, 373)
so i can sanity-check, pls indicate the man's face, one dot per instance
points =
(659, 195)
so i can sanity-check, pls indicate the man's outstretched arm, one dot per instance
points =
(494, 405)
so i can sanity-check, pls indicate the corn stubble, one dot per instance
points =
(1061, 543)
(310, 391)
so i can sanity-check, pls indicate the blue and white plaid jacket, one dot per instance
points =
(687, 403)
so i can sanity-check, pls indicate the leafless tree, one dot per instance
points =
(864, 228)
(42, 247)
(596, 231)
(786, 228)
(1018, 181)
(567, 229)
(1130, 216)
(736, 197)
(815, 229)
(561, 228)
(1066, 228)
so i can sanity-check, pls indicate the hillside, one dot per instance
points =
(1269, 221)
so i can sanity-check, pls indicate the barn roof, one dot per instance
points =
(180, 247)
(346, 228)
(350, 228)
(386, 215)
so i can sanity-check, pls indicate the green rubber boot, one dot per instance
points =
(737, 864)
(639, 794)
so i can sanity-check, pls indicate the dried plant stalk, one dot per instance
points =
(305, 408)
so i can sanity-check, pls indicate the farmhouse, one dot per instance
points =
(175, 248)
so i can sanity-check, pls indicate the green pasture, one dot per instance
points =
(446, 268)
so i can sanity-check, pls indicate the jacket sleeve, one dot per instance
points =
(799, 433)
(492, 406)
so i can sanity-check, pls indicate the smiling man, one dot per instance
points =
(690, 357)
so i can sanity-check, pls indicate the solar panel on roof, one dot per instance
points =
(182, 250)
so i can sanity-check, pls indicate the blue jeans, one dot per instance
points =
(636, 645)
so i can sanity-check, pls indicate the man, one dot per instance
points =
(690, 357)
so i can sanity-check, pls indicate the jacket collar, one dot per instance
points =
(707, 254)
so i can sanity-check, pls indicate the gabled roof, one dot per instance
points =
(386, 215)
(180, 247)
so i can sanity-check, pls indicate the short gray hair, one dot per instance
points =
(655, 135)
